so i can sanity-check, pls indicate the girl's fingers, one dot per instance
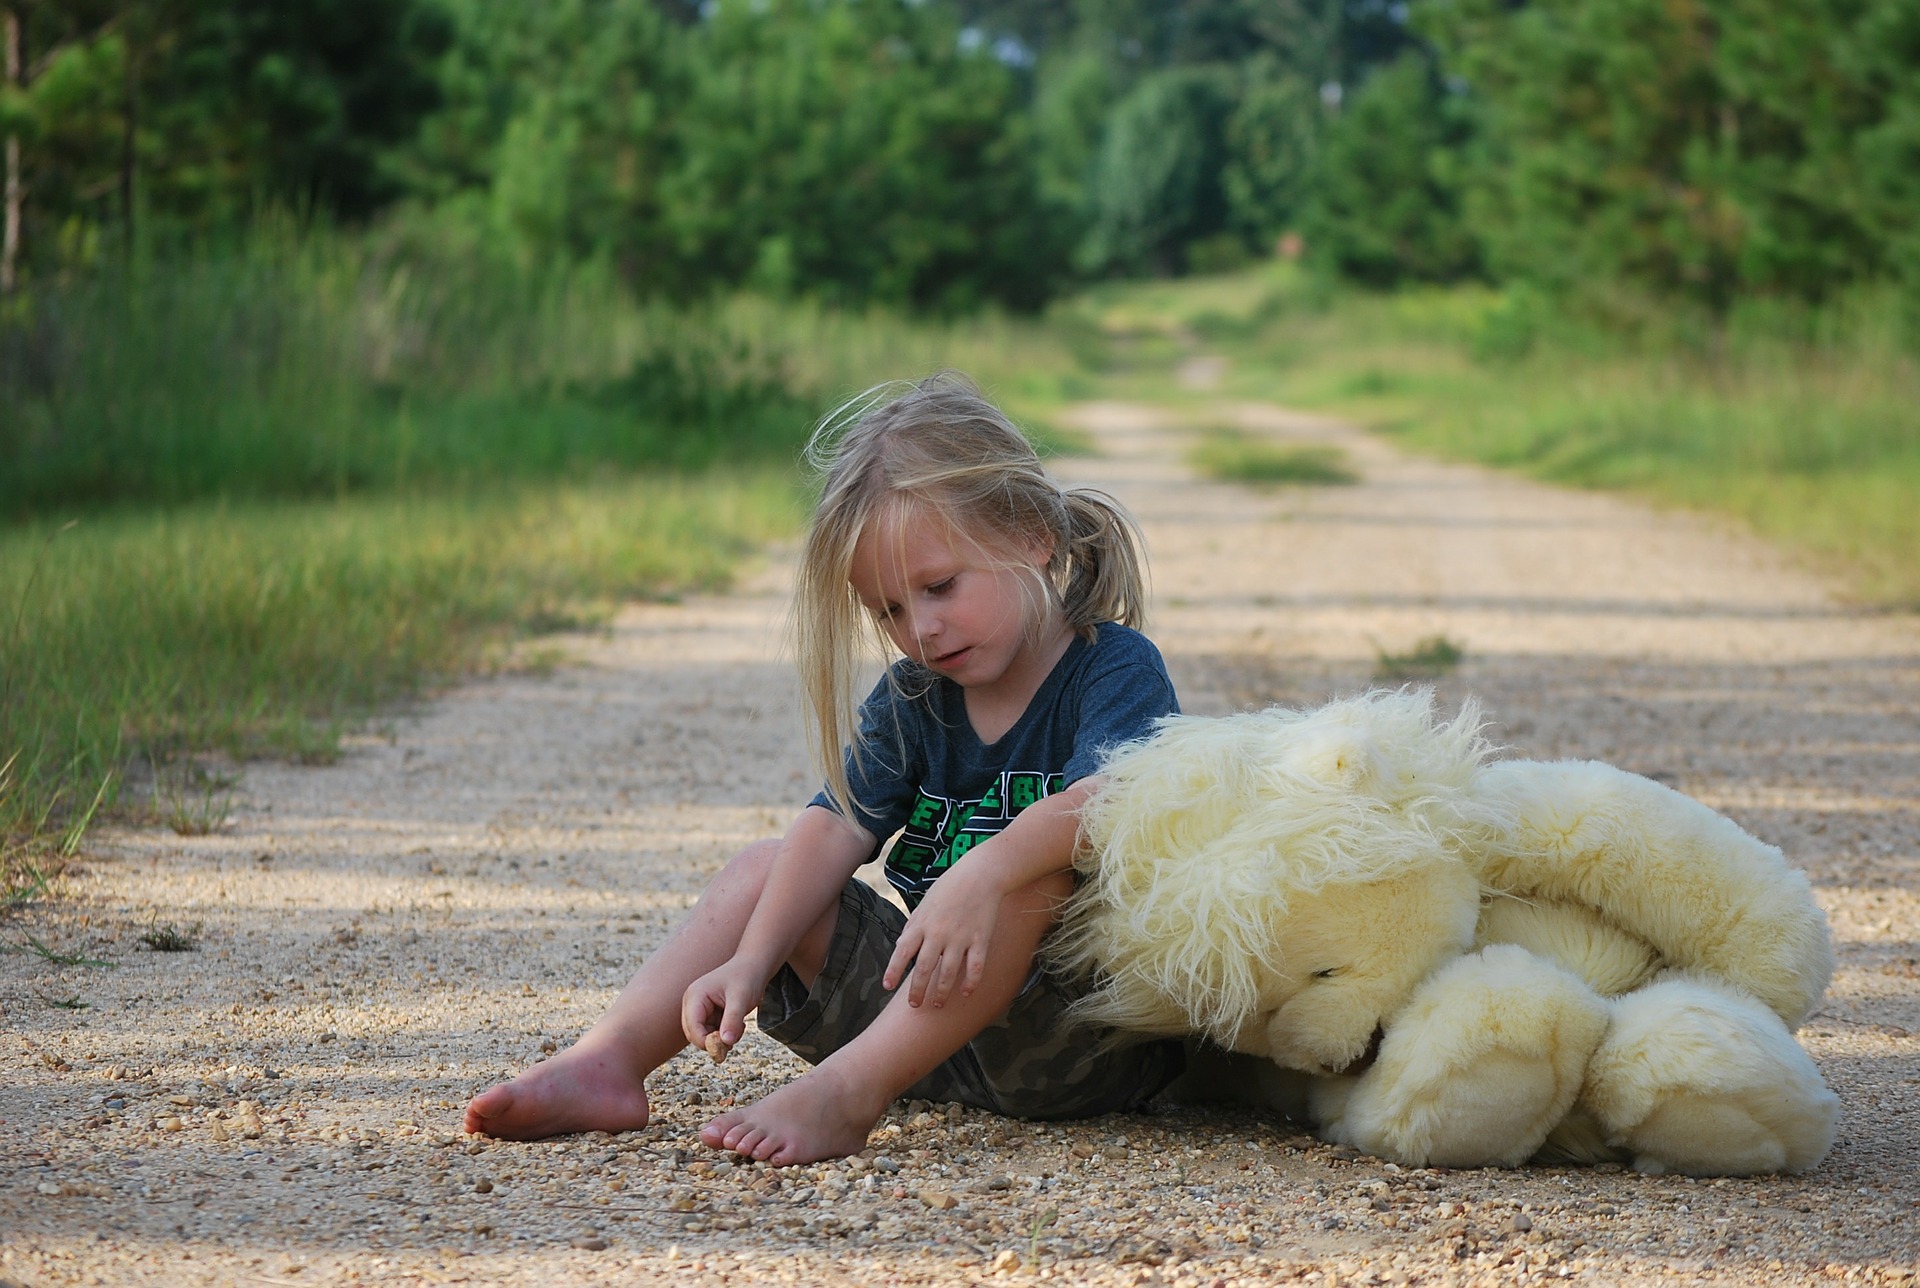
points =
(693, 1021)
(702, 1012)
(976, 970)
(951, 971)
(904, 953)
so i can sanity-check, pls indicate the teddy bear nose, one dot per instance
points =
(1364, 1061)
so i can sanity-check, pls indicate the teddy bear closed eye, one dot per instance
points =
(1444, 959)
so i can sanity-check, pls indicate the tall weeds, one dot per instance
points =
(301, 366)
(254, 491)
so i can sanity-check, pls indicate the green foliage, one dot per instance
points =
(1384, 205)
(555, 132)
(313, 366)
(1702, 151)
(170, 938)
(940, 154)
(32, 943)
(859, 149)
(1272, 136)
(1235, 455)
(164, 117)
(1429, 659)
(1073, 93)
(1157, 183)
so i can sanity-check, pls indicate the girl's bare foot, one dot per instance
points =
(577, 1090)
(817, 1115)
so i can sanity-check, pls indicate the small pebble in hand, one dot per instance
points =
(717, 1047)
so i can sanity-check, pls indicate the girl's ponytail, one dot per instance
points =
(1104, 577)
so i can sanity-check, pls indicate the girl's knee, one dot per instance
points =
(745, 873)
(757, 857)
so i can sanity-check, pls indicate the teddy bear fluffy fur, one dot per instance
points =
(1450, 960)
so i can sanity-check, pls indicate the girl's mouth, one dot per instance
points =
(947, 661)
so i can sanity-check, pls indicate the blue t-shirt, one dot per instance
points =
(923, 772)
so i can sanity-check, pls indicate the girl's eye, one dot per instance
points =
(941, 587)
(1329, 973)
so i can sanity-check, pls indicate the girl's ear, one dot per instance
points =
(1039, 549)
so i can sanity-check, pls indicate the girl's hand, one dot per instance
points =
(717, 1004)
(946, 938)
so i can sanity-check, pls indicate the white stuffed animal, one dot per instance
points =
(1448, 960)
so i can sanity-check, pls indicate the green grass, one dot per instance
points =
(1805, 427)
(1236, 456)
(254, 492)
(171, 938)
(317, 369)
(313, 365)
(268, 628)
(1429, 659)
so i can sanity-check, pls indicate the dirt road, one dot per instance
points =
(376, 940)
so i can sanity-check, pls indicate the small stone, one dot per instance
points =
(591, 1243)
(717, 1048)
(1007, 1260)
(1521, 1223)
(939, 1199)
(483, 1186)
(168, 1122)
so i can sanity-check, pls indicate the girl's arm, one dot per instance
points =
(817, 856)
(947, 937)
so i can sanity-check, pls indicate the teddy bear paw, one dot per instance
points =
(1481, 1064)
(1699, 1078)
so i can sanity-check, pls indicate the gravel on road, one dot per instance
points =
(372, 942)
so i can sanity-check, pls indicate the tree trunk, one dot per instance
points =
(130, 124)
(15, 193)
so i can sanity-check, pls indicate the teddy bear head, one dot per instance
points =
(1277, 880)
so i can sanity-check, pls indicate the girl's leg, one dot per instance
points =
(597, 1083)
(828, 1111)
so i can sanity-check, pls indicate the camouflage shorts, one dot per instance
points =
(1029, 1063)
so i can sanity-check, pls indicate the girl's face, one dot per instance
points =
(950, 604)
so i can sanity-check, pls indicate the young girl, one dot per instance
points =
(1013, 604)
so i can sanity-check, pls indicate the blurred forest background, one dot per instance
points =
(341, 340)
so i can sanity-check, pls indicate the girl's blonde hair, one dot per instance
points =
(939, 449)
